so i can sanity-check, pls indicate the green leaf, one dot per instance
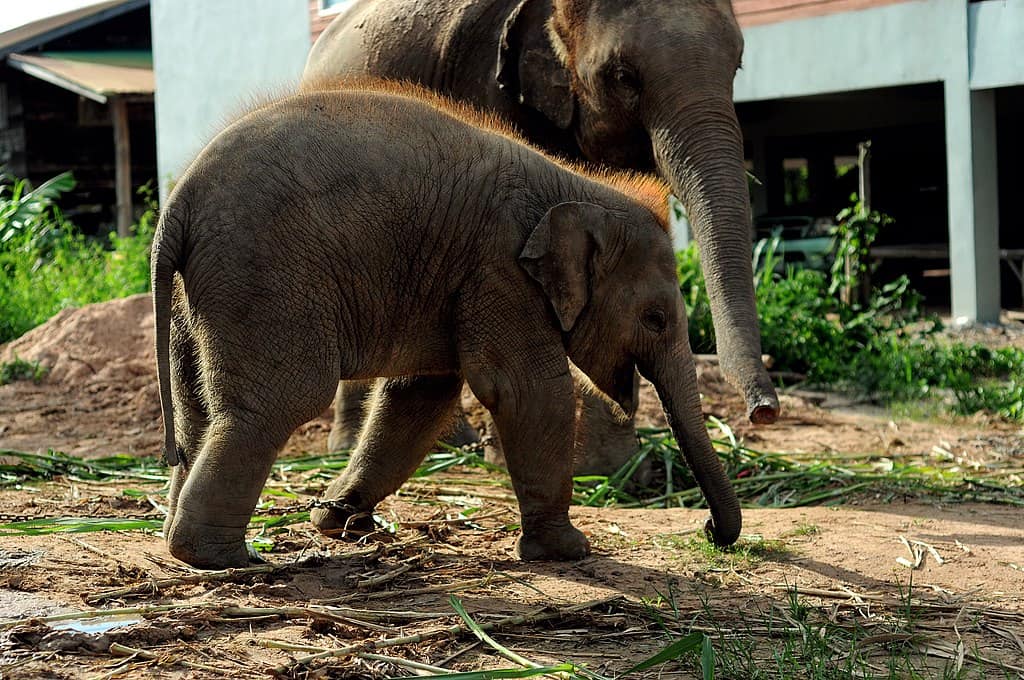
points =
(456, 604)
(684, 645)
(74, 525)
(707, 659)
(510, 672)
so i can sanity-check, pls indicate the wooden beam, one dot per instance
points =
(123, 165)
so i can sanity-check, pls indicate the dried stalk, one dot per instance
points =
(381, 579)
(342, 614)
(448, 631)
(123, 650)
(414, 665)
(426, 590)
(153, 587)
(99, 613)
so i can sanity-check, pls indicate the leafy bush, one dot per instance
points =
(46, 264)
(884, 347)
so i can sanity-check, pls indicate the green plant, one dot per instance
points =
(879, 343)
(856, 230)
(20, 369)
(46, 264)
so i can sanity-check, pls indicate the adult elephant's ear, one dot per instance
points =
(528, 68)
(563, 255)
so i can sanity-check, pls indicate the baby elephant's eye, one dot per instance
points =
(654, 319)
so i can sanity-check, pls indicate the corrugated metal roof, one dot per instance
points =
(96, 75)
(24, 24)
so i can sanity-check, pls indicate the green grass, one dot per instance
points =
(760, 479)
(46, 264)
(791, 637)
(20, 369)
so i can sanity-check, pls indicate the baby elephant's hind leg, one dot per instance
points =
(406, 417)
(218, 496)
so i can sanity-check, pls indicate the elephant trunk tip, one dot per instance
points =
(722, 538)
(763, 411)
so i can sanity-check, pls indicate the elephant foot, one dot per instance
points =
(205, 546)
(343, 521)
(559, 542)
(341, 439)
(462, 433)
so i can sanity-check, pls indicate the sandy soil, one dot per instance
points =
(841, 562)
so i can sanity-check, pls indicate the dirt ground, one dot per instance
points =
(99, 398)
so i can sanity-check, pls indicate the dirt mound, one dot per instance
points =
(99, 395)
(106, 342)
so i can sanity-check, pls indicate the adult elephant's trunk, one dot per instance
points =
(675, 378)
(699, 148)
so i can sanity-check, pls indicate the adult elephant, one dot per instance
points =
(631, 84)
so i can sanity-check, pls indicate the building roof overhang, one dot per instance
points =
(97, 75)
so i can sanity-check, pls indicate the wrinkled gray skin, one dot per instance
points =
(631, 84)
(323, 237)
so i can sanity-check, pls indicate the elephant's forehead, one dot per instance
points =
(623, 24)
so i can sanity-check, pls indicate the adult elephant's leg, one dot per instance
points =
(406, 417)
(606, 443)
(349, 413)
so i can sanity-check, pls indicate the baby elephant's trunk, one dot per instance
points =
(676, 382)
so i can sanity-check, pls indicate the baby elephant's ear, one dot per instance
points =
(561, 256)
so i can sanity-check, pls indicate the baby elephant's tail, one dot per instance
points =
(164, 262)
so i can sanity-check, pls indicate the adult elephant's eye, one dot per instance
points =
(626, 78)
(654, 319)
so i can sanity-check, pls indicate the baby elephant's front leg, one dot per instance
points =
(536, 423)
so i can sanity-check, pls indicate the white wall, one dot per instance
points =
(996, 30)
(900, 44)
(211, 59)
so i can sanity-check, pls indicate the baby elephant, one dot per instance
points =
(375, 230)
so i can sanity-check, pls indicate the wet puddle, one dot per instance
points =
(18, 605)
(95, 624)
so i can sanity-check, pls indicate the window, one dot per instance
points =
(334, 6)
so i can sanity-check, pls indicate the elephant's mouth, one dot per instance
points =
(623, 390)
(618, 392)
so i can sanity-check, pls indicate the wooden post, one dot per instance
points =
(122, 164)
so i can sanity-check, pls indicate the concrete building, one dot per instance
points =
(938, 88)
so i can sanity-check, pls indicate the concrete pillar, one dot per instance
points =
(973, 202)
